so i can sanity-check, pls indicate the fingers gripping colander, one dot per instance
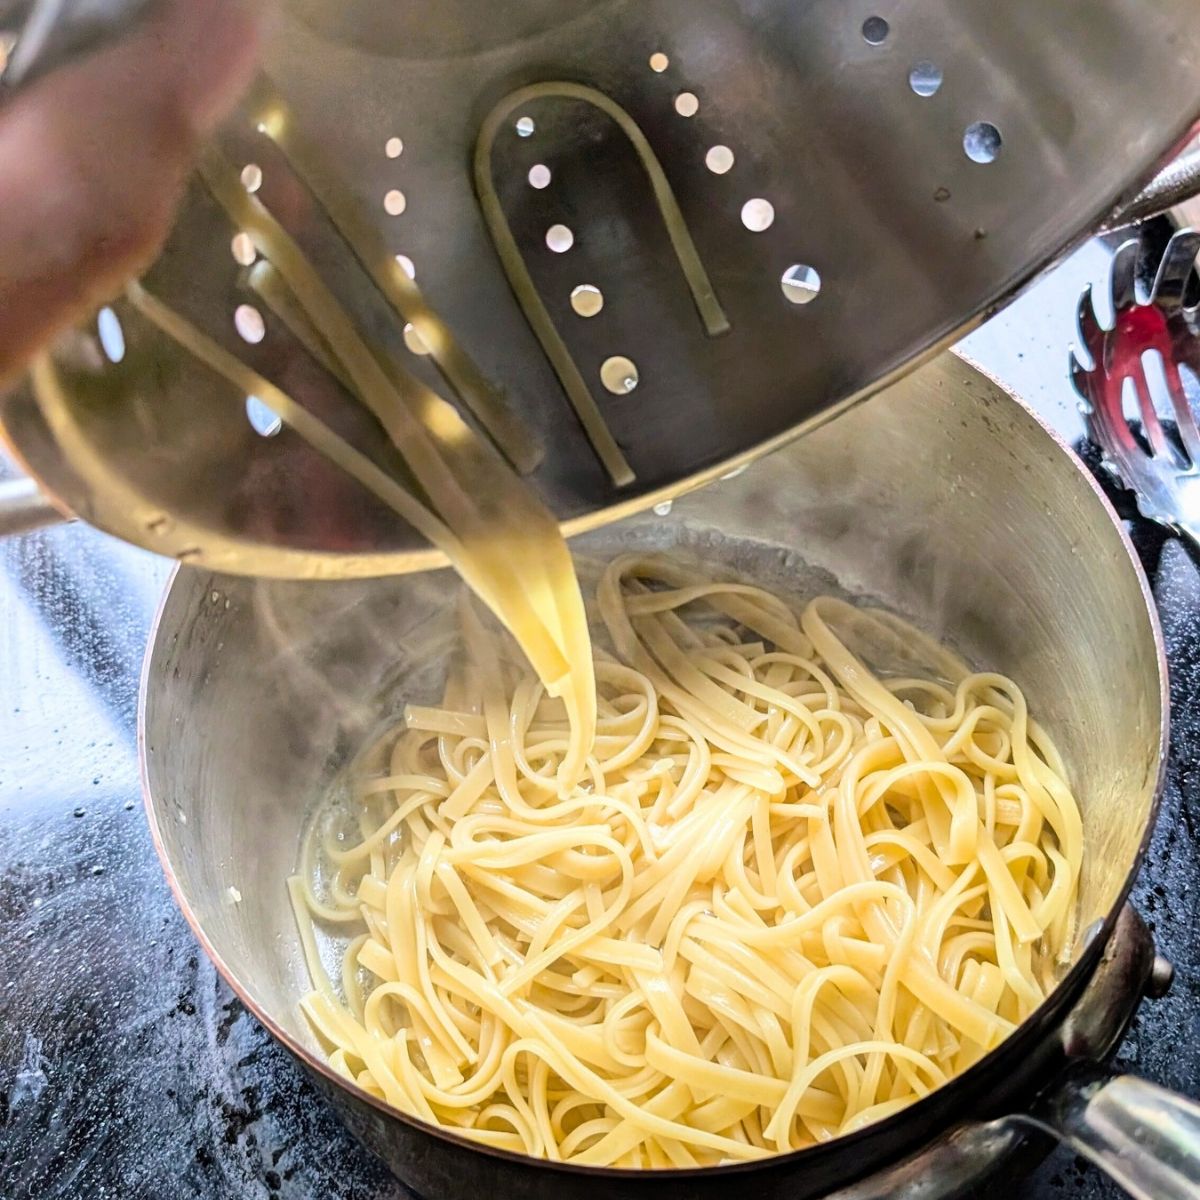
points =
(651, 237)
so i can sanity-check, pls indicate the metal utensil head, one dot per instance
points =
(1140, 382)
(651, 238)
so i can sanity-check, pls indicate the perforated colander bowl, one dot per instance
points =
(650, 238)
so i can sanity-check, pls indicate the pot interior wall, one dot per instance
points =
(943, 499)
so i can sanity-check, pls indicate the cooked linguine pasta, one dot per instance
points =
(777, 896)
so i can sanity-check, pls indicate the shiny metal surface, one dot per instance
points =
(1146, 418)
(1145, 1137)
(1142, 1136)
(942, 498)
(1175, 184)
(877, 187)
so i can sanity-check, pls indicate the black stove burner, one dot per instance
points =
(128, 1071)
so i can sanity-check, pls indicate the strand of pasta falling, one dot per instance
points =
(512, 554)
(703, 294)
(271, 114)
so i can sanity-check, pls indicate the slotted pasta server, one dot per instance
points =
(1151, 352)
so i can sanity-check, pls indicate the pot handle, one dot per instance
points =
(1142, 1136)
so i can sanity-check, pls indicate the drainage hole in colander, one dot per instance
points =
(539, 176)
(925, 79)
(982, 142)
(587, 300)
(395, 202)
(659, 62)
(112, 336)
(249, 323)
(801, 284)
(263, 420)
(242, 249)
(559, 238)
(414, 341)
(687, 104)
(525, 127)
(393, 147)
(719, 160)
(875, 31)
(619, 375)
(252, 177)
(758, 215)
(407, 265)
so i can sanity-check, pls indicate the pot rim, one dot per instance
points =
(963, 1084)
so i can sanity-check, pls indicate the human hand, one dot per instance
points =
(93, 159)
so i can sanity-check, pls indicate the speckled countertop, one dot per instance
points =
(127, 1069)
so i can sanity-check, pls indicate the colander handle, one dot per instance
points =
(24, 507)
(1175, 183)
(1142, 1136)
(52, 32)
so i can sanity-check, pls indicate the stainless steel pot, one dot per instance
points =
(945, 499)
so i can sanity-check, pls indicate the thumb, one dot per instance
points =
(93, 159)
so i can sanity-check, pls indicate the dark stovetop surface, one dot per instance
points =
(128, 1071)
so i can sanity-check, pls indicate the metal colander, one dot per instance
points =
(635, 242)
